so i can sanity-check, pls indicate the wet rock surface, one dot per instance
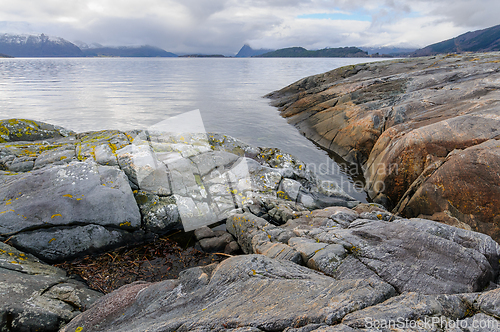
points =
(425, 131)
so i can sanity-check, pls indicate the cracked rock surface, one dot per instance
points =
(36, 296)
(69, 194)
(334, 269)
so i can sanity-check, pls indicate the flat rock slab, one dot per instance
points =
(250, 291)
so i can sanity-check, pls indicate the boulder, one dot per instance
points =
(461, 191)
(418, 127)
(76, 195)
(12, 130)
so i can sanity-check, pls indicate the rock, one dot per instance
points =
(61, 155)
(160, 215)
(58, 197)
(58, 244)
(26, 130)
(489, 303)
(216, 244)
(203, 232)
(102, 146)
(462, 191)
(22, 164)
(242, 292)
(401, 252)
(409, 310)
(256, 235)
(232, 248)
(36, 296)
(144, 170)
(425, 132)
(75, 190)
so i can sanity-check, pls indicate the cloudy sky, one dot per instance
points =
(223, 26)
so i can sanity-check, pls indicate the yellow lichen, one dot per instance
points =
(55, 215)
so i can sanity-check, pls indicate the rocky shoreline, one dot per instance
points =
(302, 256)
(425, 131)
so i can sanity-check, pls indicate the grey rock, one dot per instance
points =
(389, 248)
(290, 189)
(203, 232)
(62, 243)
(328, 260)
(60, 196)
(278, 251)
(216, 244)
(22, 164)
(18, 261)
(337, 328)
(307, 328)
(344, 217)
(101, 146)
(62, 155)
(64, 195)
(160, 215)
(27, 130)
(306, 247)
(232, 248)
(477, 323)
(215, 162)
(244, 227)
(144, 170)
(36, 296)
(243, 291)
(431, 312)
(489, 302)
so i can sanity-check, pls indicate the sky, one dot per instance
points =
(224, 26)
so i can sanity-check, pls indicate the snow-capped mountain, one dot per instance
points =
(37, 46)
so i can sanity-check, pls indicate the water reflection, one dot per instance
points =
(125, 93)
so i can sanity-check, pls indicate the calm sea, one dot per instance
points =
(86, 94)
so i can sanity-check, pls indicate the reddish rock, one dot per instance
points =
(402, 121)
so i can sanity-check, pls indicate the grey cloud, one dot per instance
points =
(466, 13)
(223, 26)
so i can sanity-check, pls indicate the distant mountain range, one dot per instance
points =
(486, 40)
(127, 51)
(12, 45)
(37, 46)
(300, 52)
(46, 46)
